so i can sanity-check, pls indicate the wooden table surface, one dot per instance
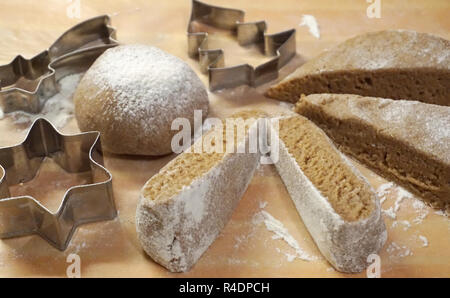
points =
(244, 248)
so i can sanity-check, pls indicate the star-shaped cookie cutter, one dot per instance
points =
(26, 84)
(280, 45)
(24, 215)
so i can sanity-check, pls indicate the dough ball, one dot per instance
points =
(132, 93)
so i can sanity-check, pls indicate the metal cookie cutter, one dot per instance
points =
(280, 45)
(20, 216)
(25, 84)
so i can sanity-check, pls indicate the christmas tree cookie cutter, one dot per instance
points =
(281, 46)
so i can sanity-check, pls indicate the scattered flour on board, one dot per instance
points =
(234, 261)
(396, 251)
(397, 194)
(311, 22)
(280, 232)
(405, 223)
(424, 240)
(400, 194)
(383, 190)
(442, 213)
(262, 205)
(58, 109)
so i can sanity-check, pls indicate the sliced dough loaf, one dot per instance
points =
(404, 141)
(184, 207)
(338, 207)
(396, 64)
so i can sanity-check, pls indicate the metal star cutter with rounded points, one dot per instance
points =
(24, 215)
(280, 45)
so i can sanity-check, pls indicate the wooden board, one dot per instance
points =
(245, 248)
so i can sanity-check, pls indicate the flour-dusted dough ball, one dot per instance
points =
(132, 93)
